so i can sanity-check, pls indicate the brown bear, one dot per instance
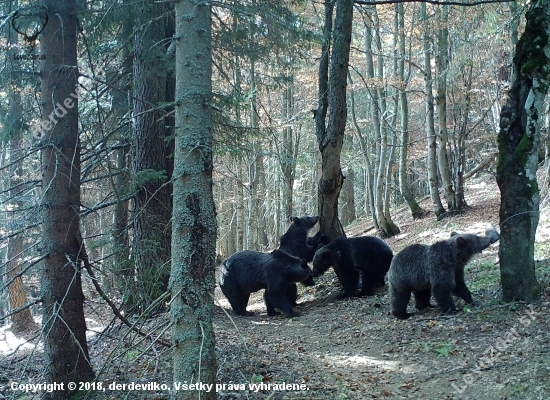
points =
(436, 270)
(367, 255)
(247, 271)
(296, 242)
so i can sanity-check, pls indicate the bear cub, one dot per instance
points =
(367, 255)
(436, 270)
(296, 242)
(248, 271)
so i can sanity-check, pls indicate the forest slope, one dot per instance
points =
(354, 349)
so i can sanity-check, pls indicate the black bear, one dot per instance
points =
(296, 243)
(317, 239)
(367, 254)
(248, 271)
(436, 270)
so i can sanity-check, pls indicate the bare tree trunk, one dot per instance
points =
(330, 139)
(194, 217)
(379, 114)
(253, 167)
(430, 130)
(441, 103)
(518, 141)
(63, 300)
(404, 186)
(462, 136)
(150, 167)
(369, 176)
(125, 280)
(287, 156)
(22, 322)
(348, 198)
(241, 222)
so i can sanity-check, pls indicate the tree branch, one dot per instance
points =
(438, 2)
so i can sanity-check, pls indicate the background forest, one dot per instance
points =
(426, 84)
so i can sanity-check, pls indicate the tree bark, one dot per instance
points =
(330, 140)
(518, 141)
(404, 186)
(125, 280)
(194, 217)
(152, 203)
(441, 103)
(22, 322)
(65, 348)
(430, 130)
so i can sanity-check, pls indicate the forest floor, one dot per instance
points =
(349, 349)
(354, 349)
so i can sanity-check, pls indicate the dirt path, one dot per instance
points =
(353, 349)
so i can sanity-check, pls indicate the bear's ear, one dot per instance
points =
(296, 220)
(453, 234)
(461, 242)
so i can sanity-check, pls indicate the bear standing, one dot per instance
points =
(367, 254)
(248, 271)
(296, 242)
(436, 270)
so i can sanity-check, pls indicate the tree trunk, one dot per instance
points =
(404, 186)
(364, 146)
(348, 198)
(430, 130)
(518, 142)
(287, 155)
(65, 348)
(241, 221)
(465, 106)
(330, 140)
(441, 103)
(194, 217)
(381, 216)
(22, 322)
(150, 168)
(125, 280)
(254, 168)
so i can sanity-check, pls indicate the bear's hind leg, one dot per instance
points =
(269, 305)
(399, 302)
(368, 285)
(291, 294)
(422, 299)
(239, 304)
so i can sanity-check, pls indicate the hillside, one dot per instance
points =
(353, 349)
(349, 349)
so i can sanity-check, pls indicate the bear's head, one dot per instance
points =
(324, 259)
(304, 222)
(470, 244)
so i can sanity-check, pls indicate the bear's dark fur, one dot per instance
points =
(248, 271)
(367, 254)
(296, 243)
(436, 270)
(317, 239)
